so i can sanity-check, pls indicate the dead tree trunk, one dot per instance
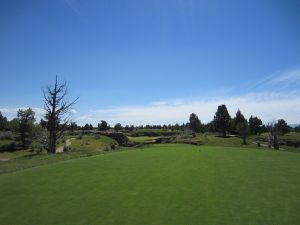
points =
(57, 112)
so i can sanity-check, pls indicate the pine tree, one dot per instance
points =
(222, 119)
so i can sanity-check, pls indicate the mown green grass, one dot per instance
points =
(163, 184)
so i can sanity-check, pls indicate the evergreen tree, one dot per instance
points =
(255, 125)
(103, 126)
(195, 124)
(3, 122)
(282, 127)
(242, 129)
(25, 126)
(118, 127)
(238, 119)
(222, 119)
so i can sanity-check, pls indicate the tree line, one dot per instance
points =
(56, 121)
(224, 124)
(28, 130)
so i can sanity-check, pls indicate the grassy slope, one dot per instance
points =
(165, 184)
(87, 146)
(228, 141)
(91, 143)
(212, 140)
(291, 136)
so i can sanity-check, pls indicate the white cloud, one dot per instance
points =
(8, 110)
(267, 106)
(11, 113)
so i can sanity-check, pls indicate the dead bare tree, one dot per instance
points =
(57, 111)
(273, 135)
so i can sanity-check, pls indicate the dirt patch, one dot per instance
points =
(61, 148)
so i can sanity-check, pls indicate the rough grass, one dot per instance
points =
(163, 184)
(91, 143)
(87, 146)
(12, 155)
(291, 136)
(213, 140)
(229, 141)
(142, 139)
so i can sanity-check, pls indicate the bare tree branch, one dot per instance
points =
(57, 111)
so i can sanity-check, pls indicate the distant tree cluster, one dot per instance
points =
(239, 125)
(23, 126)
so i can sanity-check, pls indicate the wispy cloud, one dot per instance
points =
(268, 106)
(287, 77)
(280, 80)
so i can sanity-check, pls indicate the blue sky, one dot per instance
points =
(153, 61)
